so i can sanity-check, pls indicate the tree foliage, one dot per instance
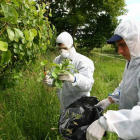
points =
(24, 33)
(89, 22)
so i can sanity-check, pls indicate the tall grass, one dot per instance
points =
(30, 111)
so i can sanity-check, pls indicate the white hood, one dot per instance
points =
(66, 39)
(130, 32)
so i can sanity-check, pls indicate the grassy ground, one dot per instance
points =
(30, 111)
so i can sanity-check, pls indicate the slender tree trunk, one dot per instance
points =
(74, 28)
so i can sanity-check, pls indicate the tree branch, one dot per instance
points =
(3, 29)
(3, 25)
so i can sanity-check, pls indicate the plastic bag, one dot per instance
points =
(76, 118)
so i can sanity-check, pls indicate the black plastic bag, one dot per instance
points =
(76, 118)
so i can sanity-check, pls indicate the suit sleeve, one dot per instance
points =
(84, 79)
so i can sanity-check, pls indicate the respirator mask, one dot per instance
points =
(64, 53)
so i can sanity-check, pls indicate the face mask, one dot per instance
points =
(64, 53)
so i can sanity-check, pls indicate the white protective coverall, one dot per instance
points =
(126, 121)
(70, 92)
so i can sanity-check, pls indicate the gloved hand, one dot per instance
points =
(66, 77)
(104, 104)
(95, 131)
(48, 81)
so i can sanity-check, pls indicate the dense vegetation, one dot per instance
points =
(24, 34)
(30, 111)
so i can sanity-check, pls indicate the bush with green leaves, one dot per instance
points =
(57, 69)
(24, 34)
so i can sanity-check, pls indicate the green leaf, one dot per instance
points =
(50, 14)
(35, 13)
(33, 33)
(53, 27)
(6, 56)
(21, 55)
(53, 64)
(24, 41)
(41, 22)
(44, 5)
(15, 45)
(44, 62)
(3, 39)
(27, 6)
(29, 44)
(58, 67)
(33, 3)
(29, 52)
(27, 37)
(3, 46)
(10, 13)
(16, 37)
(15, 2)
(16, 76)
(16, 50)
(35, 22)
(50, 33)
(54, 75)
(56, 70)
(21, 46)
(19, 32)
(44, 47)
(64, 71)
(39, 34)
(48, 42)
(11, 34)
(58, 83)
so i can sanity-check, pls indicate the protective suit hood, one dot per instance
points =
(130, 32)
(66, 39)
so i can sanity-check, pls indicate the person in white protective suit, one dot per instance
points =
(126, 121)
(74, 87)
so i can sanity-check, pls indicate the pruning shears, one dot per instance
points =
(44, 70)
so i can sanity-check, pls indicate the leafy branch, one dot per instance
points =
(65, 67)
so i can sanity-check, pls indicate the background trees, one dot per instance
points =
(89, 22)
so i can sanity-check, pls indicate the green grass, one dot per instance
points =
(30, 111)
